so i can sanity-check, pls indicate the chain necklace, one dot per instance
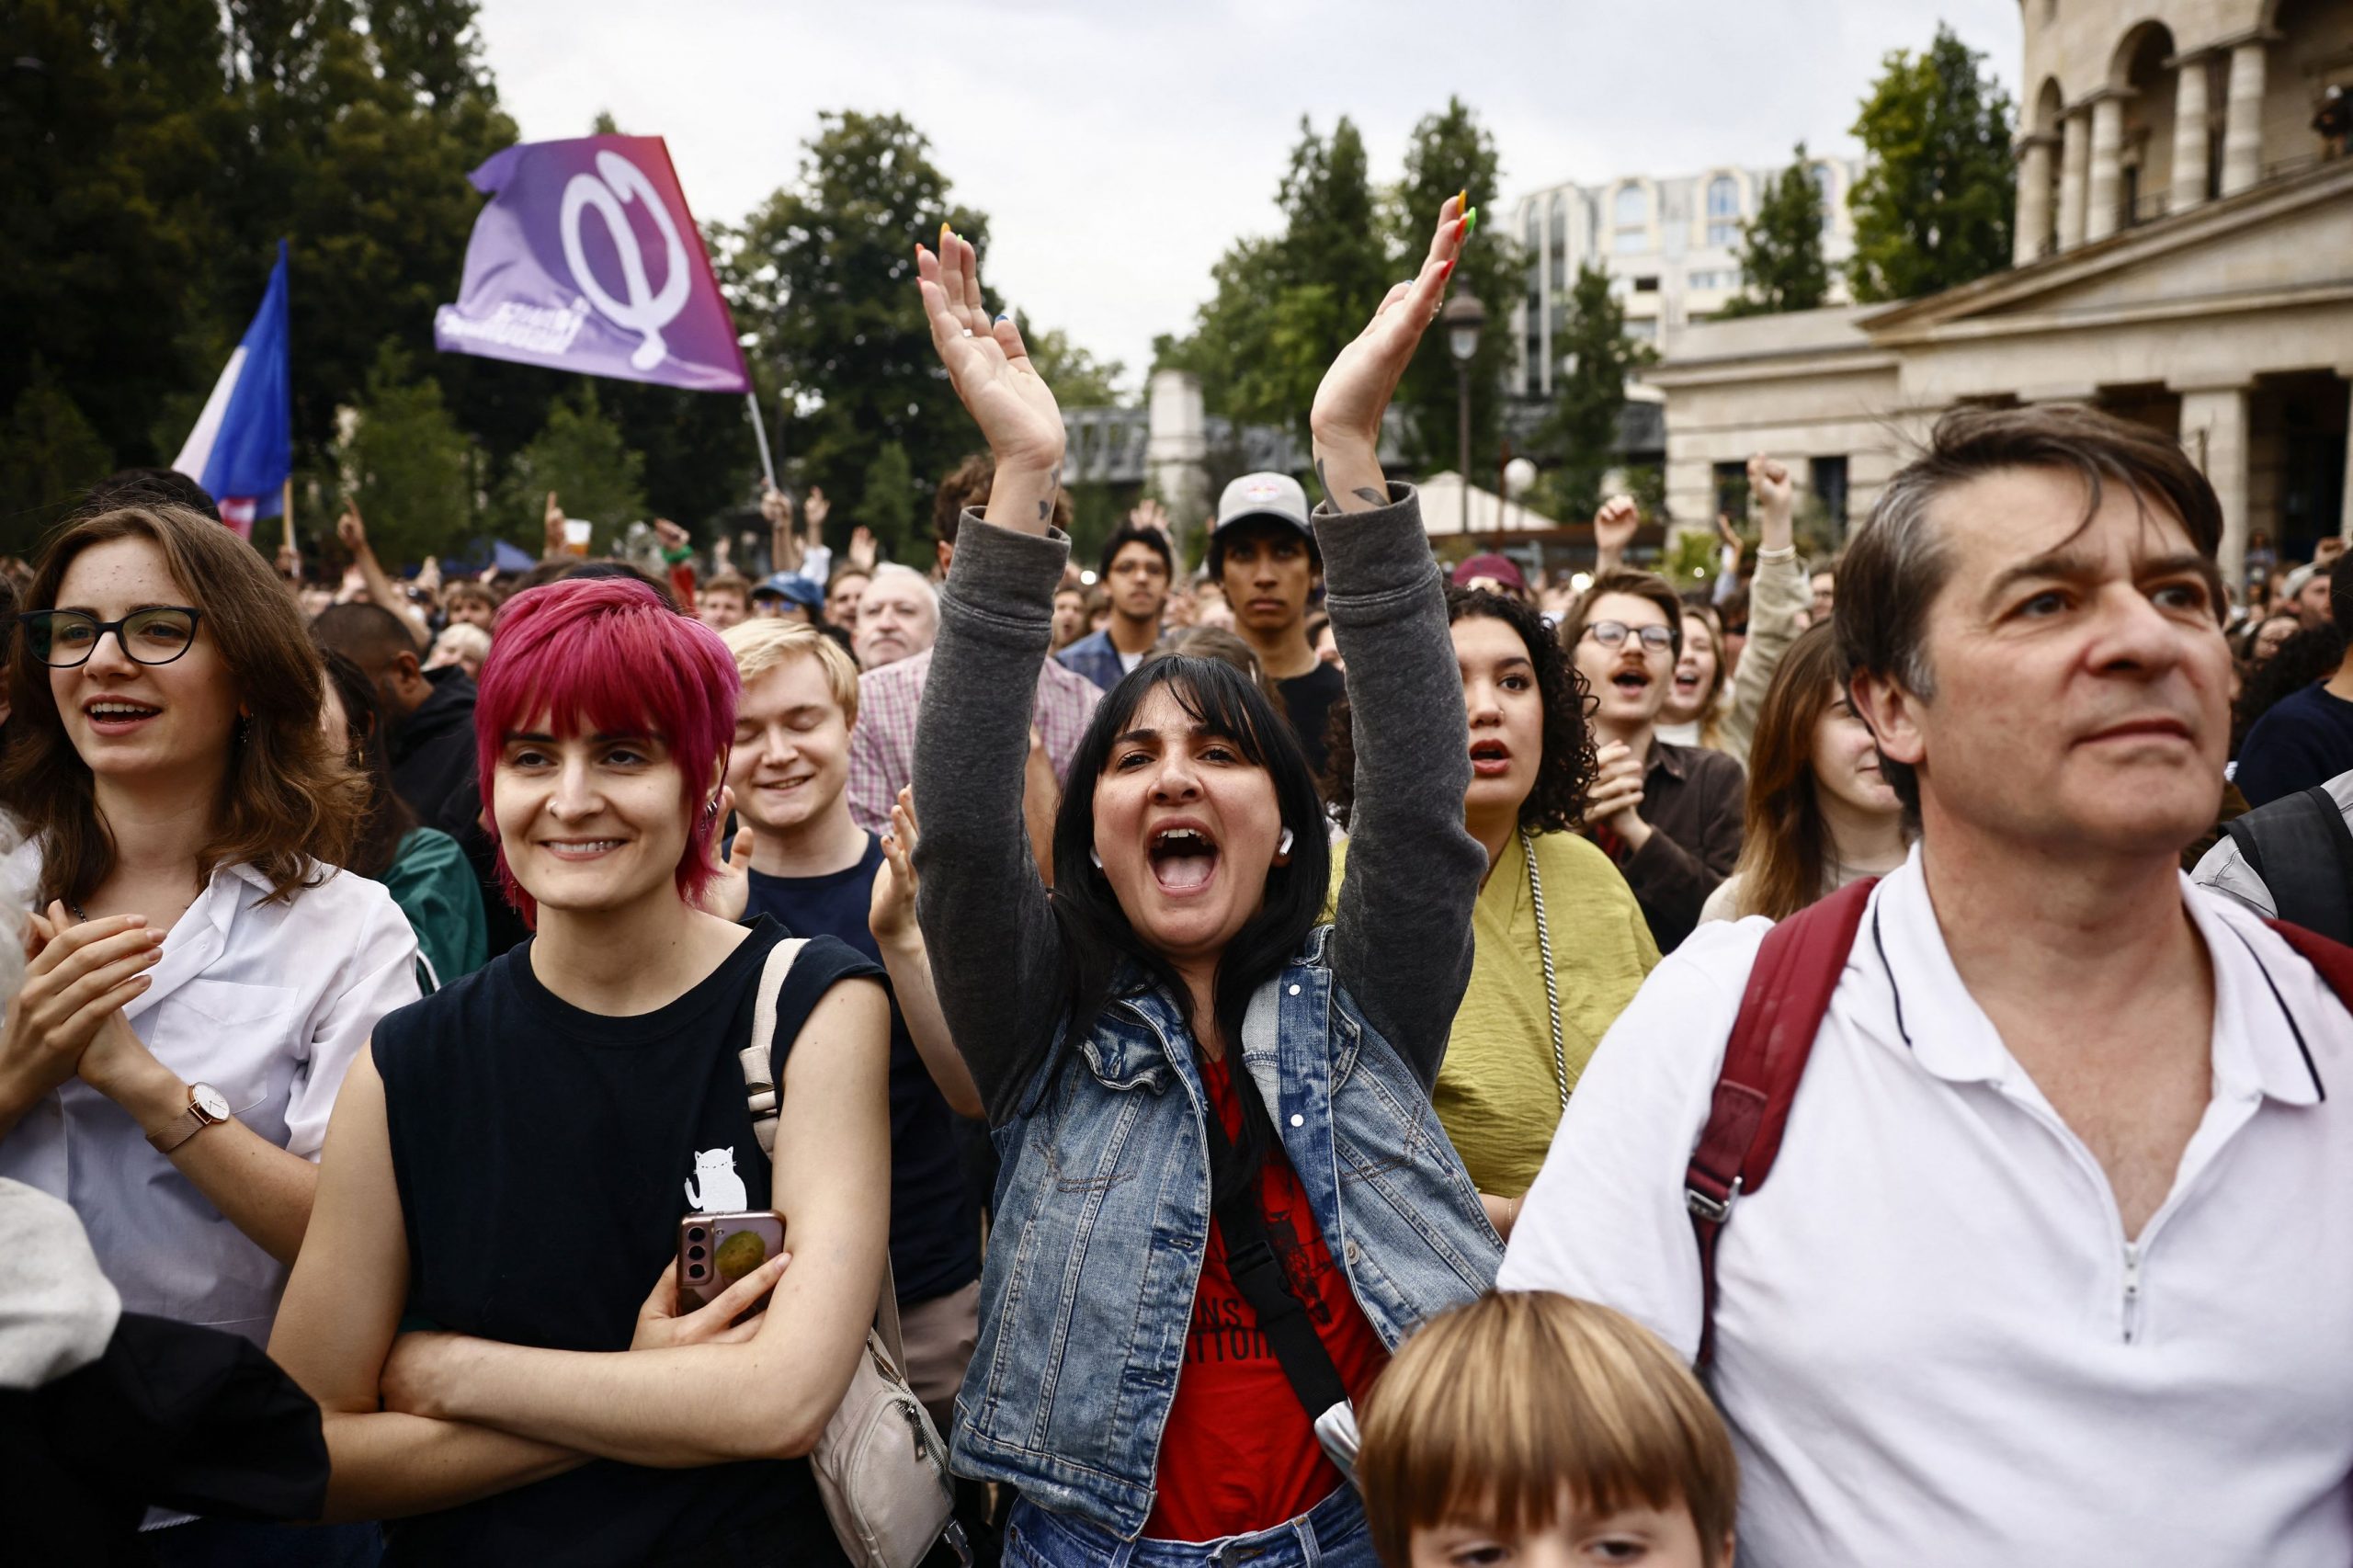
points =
(1544, 951)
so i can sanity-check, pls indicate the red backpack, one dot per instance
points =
(1780, 1011)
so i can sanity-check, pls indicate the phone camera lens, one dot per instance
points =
(694, 1253)
(695, 1233)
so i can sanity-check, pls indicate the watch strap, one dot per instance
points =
(182, 1128)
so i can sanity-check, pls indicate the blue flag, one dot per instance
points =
(243, 446)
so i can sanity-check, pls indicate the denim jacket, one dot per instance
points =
(1103, 1204)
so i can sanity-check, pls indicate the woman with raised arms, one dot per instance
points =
(1204, 1099)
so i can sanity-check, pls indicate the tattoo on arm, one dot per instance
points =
(1053, 488)
(1366, 493)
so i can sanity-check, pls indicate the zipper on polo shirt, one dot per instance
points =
(2132, 1291)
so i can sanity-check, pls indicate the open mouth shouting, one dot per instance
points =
(118, 715)
(1490, 759)
(1632, 681)
(1687, 686)
(1182, 858)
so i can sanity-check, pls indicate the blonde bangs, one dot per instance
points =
(1509, 1411)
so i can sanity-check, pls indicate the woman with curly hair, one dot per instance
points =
(1560, 945)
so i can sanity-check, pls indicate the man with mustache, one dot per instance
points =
(2048, 1245)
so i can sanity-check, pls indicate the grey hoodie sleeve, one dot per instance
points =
(1401, 936)
(995, 955)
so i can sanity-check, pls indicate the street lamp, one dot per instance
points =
(1463, 318)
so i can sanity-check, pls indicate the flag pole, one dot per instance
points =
(286, 510)
(760, 429)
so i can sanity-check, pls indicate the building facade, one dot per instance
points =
(1671, 248)
(2185, 258)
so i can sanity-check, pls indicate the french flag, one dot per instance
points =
(243, 446)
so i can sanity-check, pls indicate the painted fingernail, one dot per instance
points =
(1447, 271)
(1004, 315)
(1463, 200)
(1470, 222)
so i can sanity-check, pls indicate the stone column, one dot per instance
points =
(2214, 433)
(2242, 124)
(2344, 523)
(2190, 134)
(1176, 449)
(2033, 235)
(2106, 186)
(2074, 155)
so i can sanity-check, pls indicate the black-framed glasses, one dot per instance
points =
(62, 639)
(1613, 633)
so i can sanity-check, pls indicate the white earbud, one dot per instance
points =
(1097, 858)
(1282, 845)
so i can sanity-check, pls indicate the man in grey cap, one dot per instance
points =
(1263, 553)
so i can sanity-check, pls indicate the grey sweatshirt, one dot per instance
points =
(1401, 940)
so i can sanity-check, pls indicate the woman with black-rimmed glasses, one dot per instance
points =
(205, 973)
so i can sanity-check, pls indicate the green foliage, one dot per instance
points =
(48, 454)
(1078, 377)
(886, 501)
(581, 455)
(407, 465)
(1935, 204)
(1590, 393)
(1452, 152)
(1284, 308)
(823, 278)
(1781, 253)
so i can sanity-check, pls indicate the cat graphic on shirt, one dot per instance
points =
(722, 1190)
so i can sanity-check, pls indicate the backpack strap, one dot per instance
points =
(763, 1099)
(2331, 961)
(2301, 847)
(1788, 991)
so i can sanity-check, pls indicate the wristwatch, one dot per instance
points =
(206, 1106)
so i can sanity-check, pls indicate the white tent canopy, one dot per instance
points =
(1443, 515)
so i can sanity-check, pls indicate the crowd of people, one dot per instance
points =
(1281, 1060)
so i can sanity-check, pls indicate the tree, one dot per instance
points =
(1284, 308)
(1781, 253)
(822, 279)
(1452, 152)
(1933, 206)
(1078, 377)
(581, 456)
(49, 455)
(886, 501)
(1589, 393)
(407, 465)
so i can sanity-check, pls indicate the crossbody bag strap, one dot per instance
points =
(1258, 1273)
(763, 1097)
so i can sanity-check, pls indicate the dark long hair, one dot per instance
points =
(1106, 954)
(2305, 658)
(389, 818)
(1555, 802)
(286, 805)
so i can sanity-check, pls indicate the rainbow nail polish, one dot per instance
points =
(1469, 221)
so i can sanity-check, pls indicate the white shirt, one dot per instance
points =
(1934, 1344)
(266, 1003)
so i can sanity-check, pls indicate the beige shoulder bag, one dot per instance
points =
(880, 1465)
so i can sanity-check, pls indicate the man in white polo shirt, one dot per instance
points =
(2055, 1264)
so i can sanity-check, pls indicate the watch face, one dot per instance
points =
(210, 1101)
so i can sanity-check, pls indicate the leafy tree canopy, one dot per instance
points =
(1781, 253)
(1935, 202)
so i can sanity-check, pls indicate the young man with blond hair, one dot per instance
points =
(798, 857)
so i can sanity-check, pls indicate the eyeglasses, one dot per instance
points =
(1613, 633)
(64, 638)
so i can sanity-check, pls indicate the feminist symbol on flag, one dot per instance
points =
(645, 312)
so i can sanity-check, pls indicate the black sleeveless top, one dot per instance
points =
(543, 1155)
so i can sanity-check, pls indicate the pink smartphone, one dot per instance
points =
(716, 1250)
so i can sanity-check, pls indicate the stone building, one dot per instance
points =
(2183, 257)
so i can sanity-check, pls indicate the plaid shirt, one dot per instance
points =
(882, 747)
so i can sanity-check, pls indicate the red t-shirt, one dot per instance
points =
(1239, 1453)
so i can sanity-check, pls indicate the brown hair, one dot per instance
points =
(288, 806)
(1711, 716)
(1640, 584)
(388, 819)
(1787, 842)
(968, 487)
(1495, 1407)
(466, 590)
(1898, 561)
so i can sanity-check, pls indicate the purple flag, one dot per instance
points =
(586, 260)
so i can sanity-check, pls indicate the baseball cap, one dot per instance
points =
(1264, 496)
(793, 587)
(1496, 568)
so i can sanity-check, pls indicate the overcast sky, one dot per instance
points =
(1119, 148)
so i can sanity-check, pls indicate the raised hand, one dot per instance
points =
(552, 527)
(730, 892)
(1777, 498)
(988, 366)
(861, 547)
(1345, 421)
(891, 914)
(776, 506)
(1152, 516)
(1613, 530)
(350, 528)
(672, 536)
(814, 511)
